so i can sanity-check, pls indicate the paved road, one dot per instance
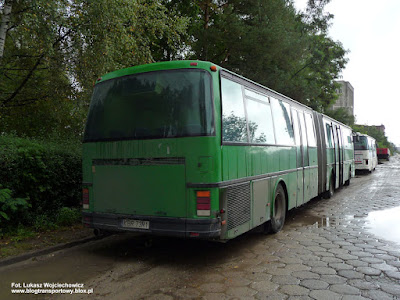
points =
(342, 248)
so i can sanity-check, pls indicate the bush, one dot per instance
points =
(47, 172)
(68, 216)
(12, 210)
(44, 222)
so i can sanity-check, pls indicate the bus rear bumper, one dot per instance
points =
(362, 167)
(178, 227)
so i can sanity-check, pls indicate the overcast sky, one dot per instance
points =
(370, 30)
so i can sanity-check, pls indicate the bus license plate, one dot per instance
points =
(138, 224)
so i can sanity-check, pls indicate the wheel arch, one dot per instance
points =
(281, 182)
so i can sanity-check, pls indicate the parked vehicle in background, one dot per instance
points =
(365, 156)
(383, 153)
(189, 149)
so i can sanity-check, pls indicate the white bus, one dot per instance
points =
(365, 157)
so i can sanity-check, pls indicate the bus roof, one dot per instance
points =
(165, 65)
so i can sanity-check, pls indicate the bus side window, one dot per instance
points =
(328, 135)
(234, 126)
(304, 138)
(282, 122)
(296, 127)
(312, 142)
(259, 116)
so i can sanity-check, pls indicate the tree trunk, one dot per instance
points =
(4, 26)
(207, 5)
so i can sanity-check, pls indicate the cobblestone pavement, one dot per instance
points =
(327, 250)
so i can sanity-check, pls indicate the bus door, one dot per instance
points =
(299, 159)
(305, 163)
(336, 155)
(340, 154)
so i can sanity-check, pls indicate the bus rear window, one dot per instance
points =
(360, 143)
(159, 104)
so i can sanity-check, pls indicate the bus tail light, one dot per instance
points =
(85, 198)
(203, 202)
(87, 221)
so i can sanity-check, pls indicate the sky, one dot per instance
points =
(370, 31)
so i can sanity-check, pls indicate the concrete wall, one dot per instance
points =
(346, 96)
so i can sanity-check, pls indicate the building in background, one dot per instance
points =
(381, 128)
(346, 97)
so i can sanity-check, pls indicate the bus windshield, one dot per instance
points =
(360, 143)
(159, 104)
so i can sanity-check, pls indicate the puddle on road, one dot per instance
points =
(333, 221)
(385, 224)
(318, 222)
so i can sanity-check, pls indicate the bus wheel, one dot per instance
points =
(279, 214)
(266, 229)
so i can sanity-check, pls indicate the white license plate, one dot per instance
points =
(138, 224)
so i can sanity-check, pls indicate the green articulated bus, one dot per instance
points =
(189, 149)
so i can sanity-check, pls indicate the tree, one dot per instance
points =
(55, 50)
(271, 43)
(342, 115)
(5, 19)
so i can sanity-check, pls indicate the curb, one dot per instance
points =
(25, 256)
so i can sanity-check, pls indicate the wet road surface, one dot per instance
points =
(347, 247)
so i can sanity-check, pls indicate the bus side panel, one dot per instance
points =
(330, 163)
(313, 159)
(238, 161)
(311, 175)
(260, 209)
(246, 161)
(348, 155)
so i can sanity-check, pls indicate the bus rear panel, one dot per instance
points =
(149, 133)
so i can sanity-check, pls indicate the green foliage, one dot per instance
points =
(22, 233)
(55, 50)
(271, 43)
(47, 173)
(11, 208)
(44, 222)
(68, 216)
(342, 115)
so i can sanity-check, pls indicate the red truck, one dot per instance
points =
(383, 153)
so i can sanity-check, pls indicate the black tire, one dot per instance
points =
(266, 227)
(279, 210)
